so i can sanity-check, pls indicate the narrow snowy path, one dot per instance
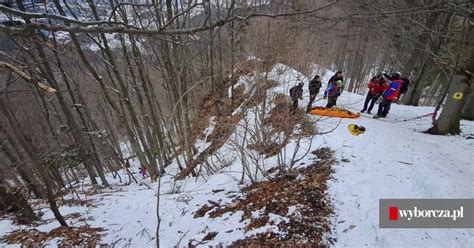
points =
(393, 159)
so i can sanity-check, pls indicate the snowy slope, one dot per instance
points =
(392, 159)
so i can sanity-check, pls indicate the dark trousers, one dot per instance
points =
(312, 96)
(331, 101)
(384, 107)
(372, 99)
(295, 105)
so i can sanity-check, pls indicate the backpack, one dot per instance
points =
(314, 85)
(405, 85)
(292, 91)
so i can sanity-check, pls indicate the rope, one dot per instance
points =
(415, 118)
(348, 104)
(352, 103)
(406, 119)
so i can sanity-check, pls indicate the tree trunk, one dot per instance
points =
(417, 55)
(84, 119)
(449, 119)
(468, 110)
(14, 202)
(418, 88)
(10, 148)
(30, 152)
(47, 72)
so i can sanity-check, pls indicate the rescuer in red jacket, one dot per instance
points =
(390, 95)
(377, 86)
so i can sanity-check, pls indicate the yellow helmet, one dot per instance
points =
(355, 129)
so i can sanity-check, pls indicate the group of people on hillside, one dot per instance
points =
(390, 87)
(332, 92)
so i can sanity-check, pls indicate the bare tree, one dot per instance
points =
(459, 86)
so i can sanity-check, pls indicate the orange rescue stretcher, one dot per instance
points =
(333, 112)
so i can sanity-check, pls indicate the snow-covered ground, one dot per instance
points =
(392, 159)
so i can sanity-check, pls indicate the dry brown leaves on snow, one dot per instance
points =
(83, 236)
(304, 188)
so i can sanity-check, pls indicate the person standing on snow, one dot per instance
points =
(335, 77)
(377, 86)
(313, 87)
(143, 171)
(296, 92)
(334, 89)
(391, 95)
